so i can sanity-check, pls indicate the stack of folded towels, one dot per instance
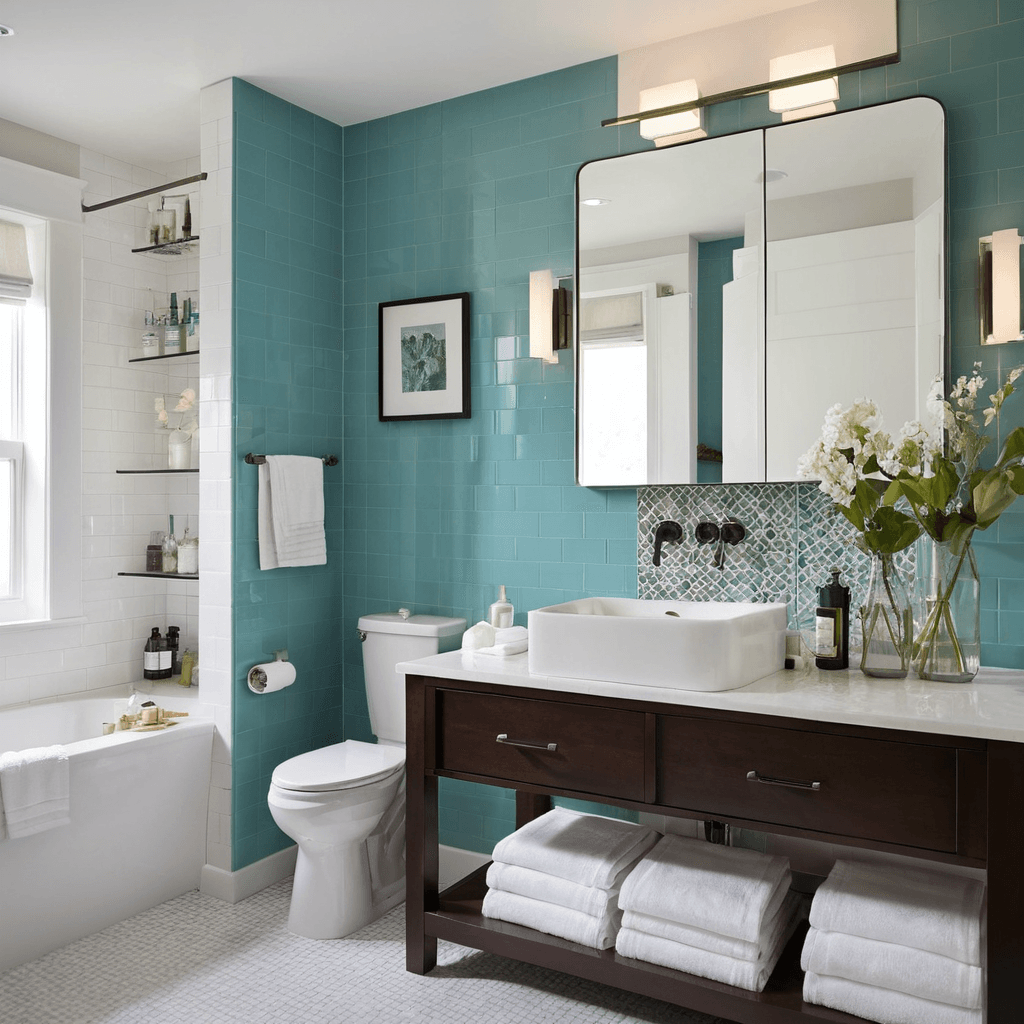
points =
(561, 874)
(896, 945)
(719, 912)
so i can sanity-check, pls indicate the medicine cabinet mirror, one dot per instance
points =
(731, 290)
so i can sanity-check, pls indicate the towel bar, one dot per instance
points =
(259, 460)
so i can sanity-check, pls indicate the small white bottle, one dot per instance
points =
(501, 612)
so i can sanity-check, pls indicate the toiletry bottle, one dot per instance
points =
(169, 551)
(172, 332)
(188, 554)
(501, 612)
(166, 659)
(172, 643)
(151, 656)
(186, 222)
(832, 625)
(188, 660)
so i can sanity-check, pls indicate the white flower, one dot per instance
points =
(186, 400)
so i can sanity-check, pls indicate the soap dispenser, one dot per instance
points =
(832, 625)
(501, 612)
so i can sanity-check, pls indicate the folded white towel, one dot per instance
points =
(506, 641)
(924, 909)
(883, 1005)
(290, 514)
(477, 636)
(747, 974)
(597, 932)
(36, 786)
(914, 972)
(584, 848)
(775, 919)
(722, 889)
(539, 885)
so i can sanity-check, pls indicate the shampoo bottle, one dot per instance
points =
(501, 612)
(151, 656)
(832, 625)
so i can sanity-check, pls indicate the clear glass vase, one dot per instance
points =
(947, 622)
(887, 622)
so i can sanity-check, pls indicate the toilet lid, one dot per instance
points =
(339, 766)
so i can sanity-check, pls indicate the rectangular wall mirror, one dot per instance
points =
(731, 290)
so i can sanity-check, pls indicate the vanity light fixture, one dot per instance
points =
(550, 316)
(811, 98)
(671, 128)
(999, 287)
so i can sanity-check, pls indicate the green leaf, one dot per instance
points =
(992, 497)
(1017, 479)
(865, 497)
(894, 530)
(1013, 447)
(892, 493)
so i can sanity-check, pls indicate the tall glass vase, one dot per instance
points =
(947, 647)
(887, 622)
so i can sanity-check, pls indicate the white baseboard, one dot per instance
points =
(234, 886)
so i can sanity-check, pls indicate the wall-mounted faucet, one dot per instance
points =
(668, 530)
(730, 531)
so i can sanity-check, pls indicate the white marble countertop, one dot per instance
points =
(989, 707)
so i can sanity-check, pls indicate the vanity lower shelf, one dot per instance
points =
(459, 919)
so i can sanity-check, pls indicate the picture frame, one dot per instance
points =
(423, 352)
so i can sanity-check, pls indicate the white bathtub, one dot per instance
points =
(137, 834)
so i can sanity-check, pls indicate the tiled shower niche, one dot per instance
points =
(794, 537)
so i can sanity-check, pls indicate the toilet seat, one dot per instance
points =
(340, 766)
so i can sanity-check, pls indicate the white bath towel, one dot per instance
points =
(722, 889)
(539, 885)
(509, 640)
(881, 1004)
(597, 932)
(36, 786)
(290, 516)
(914, 972)
(924, 909)
(747, 974)
(584, 848)
(775, 919)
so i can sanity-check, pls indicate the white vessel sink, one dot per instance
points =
(684, 645)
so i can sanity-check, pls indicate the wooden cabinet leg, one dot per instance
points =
(530, 806)
(420, 830)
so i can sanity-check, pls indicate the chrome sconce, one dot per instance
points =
(550, 316)
(999, 287)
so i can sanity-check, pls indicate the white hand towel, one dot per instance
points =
(597, 932)
(290, 515)
(584, 848)
(36, 786)
(506, 641)
(747, 974)
(539, 885)
(775, 919)
(722, 889)
(924, 909)
(915, 972)
(881, 1004)
(480, 635)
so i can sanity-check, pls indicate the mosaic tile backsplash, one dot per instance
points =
(793, 539)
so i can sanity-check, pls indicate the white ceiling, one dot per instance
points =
(123, 78)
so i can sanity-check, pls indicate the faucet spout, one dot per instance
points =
(668, 530)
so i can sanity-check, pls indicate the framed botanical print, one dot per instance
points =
(424, 358)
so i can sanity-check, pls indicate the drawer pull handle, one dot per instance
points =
(502, 737)
(791, 783)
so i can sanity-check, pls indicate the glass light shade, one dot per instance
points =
(542, 344)
(812, 94)
(666, 96)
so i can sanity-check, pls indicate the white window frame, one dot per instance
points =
(49, 204)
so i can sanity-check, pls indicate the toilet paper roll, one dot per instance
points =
(270, 676)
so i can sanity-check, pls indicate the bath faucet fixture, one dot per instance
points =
(668, 530)
(730, 531)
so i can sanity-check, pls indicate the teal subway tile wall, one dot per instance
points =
(471, 195)
(287, 350)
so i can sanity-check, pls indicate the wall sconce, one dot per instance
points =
(999, 287)
(672, 128)
(811, 98)
(550, 316)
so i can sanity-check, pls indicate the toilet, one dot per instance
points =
(344, 804)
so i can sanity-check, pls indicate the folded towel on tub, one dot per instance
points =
(36, 788)
(930, 910)
(587, 930)
(882, 1005)
(915, 972)
(583, 848)
(723, 889)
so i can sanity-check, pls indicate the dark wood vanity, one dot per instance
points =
(924, 794)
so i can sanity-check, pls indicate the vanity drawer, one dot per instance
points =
(597, 750)
(889, 791)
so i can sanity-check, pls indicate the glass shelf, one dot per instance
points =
(155, 471)
(164, 575)
(170, 355)
(179, 247)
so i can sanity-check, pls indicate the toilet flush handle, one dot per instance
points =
(362, 635)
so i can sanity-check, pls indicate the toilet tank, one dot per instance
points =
(390, 638)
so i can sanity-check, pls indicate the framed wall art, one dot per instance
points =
(424, 358)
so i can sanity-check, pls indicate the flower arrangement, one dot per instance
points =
(186, 404)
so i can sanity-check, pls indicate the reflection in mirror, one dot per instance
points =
(705, 355)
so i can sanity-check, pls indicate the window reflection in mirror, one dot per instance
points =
(706, 355)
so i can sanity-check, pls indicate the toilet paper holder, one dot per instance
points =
(259, 678)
